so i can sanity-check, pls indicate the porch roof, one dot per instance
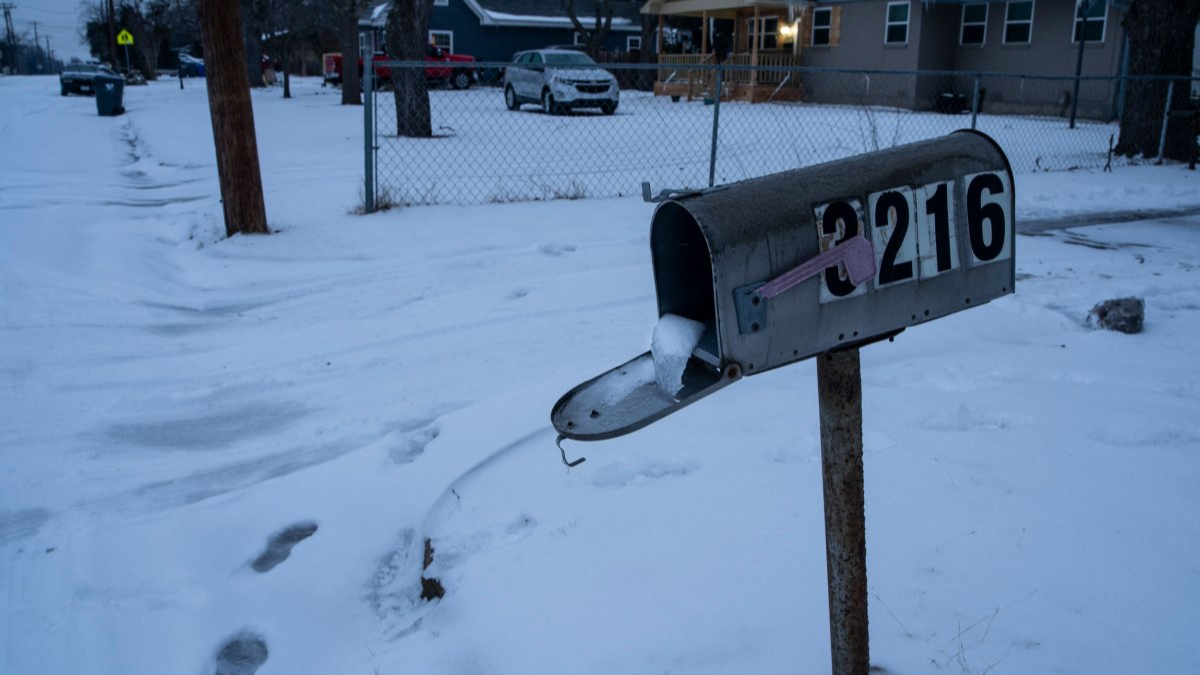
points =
(727, 9)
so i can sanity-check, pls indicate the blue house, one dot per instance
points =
(493, 30)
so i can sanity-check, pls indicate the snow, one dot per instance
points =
(172, 400)
(671, 345)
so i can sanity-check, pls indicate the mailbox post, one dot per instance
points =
(817, 262)
(839, 392)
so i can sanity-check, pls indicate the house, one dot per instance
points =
(493, 30)
(1018, 37)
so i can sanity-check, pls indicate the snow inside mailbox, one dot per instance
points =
(778, 269)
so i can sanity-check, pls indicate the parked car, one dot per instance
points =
(191, 66)
(442, 67)
(79, 78)
(533, 78)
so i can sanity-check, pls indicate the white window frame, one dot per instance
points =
(888, 23)
(1103, 19)
(633, 43)
(1007, 23)
(441, 3)
(433, 40)
(828, 28)
(578, 39)
(762, 22)
(962, 26)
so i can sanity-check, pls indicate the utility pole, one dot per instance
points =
(10, 35)
(232, 117)
(49, 57)
(112, 34)
(36, 40)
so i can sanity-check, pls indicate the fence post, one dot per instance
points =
(975, 103)
(1162, 136)
(368, 50)
(712, 158)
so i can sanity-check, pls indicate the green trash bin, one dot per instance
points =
(110, 94)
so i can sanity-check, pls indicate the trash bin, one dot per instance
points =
(110, 92)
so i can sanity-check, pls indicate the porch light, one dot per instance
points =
(787, 30)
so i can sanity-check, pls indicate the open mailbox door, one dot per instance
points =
(782, 268)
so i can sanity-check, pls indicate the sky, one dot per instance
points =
(60, 19)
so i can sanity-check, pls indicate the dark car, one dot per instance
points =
(79, 78)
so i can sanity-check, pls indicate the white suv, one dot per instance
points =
(559, 80)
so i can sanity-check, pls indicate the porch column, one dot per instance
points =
(754, 50)
(704, 35)
(660, 36)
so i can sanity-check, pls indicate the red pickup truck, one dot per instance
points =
(457, 70)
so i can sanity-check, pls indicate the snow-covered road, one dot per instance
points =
(170, 401)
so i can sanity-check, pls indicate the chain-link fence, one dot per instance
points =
(702, 128)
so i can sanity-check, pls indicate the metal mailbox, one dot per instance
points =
(781, 268)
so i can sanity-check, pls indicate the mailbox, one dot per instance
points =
(782, 268)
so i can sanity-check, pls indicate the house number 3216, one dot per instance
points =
(915, 231)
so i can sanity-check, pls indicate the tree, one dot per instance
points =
(345, 15)
(290, 23)
(407, 26)
(232, 117)
(147, 21)
(1161, 40)
(253, 27)
(592, 38)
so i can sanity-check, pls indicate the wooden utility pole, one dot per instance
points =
(232, 117)
(112, 34)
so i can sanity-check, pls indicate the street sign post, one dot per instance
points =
(125, 38)
(817, 262)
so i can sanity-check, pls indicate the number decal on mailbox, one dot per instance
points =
(916, 233)
(892, 232)
(837, 222)
(989, 217)
(937, 239)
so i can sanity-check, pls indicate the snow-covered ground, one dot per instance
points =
(171, 401)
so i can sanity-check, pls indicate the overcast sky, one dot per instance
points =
(60, 19)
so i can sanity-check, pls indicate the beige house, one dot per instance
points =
(1020, 37)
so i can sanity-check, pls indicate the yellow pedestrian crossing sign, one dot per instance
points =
(124, 38)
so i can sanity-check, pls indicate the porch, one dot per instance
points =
(764, 34)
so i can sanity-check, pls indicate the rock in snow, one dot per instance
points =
(1122, 314)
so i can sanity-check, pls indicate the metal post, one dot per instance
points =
(1162, 137)
(127, 68)
(839, 390)
(975, 103)
(368, 50)
(712, 158)
(1079, 59)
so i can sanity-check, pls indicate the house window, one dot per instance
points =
(1018, 23)
(443, 39)
(974, 24)
(577, 39)
(896, 31)
(633, 43)
(822, 26)
(770, 32)
(1097, 20)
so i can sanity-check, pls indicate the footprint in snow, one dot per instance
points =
(243, 654)
(279, 547)
(557, 250)
(413, 445)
